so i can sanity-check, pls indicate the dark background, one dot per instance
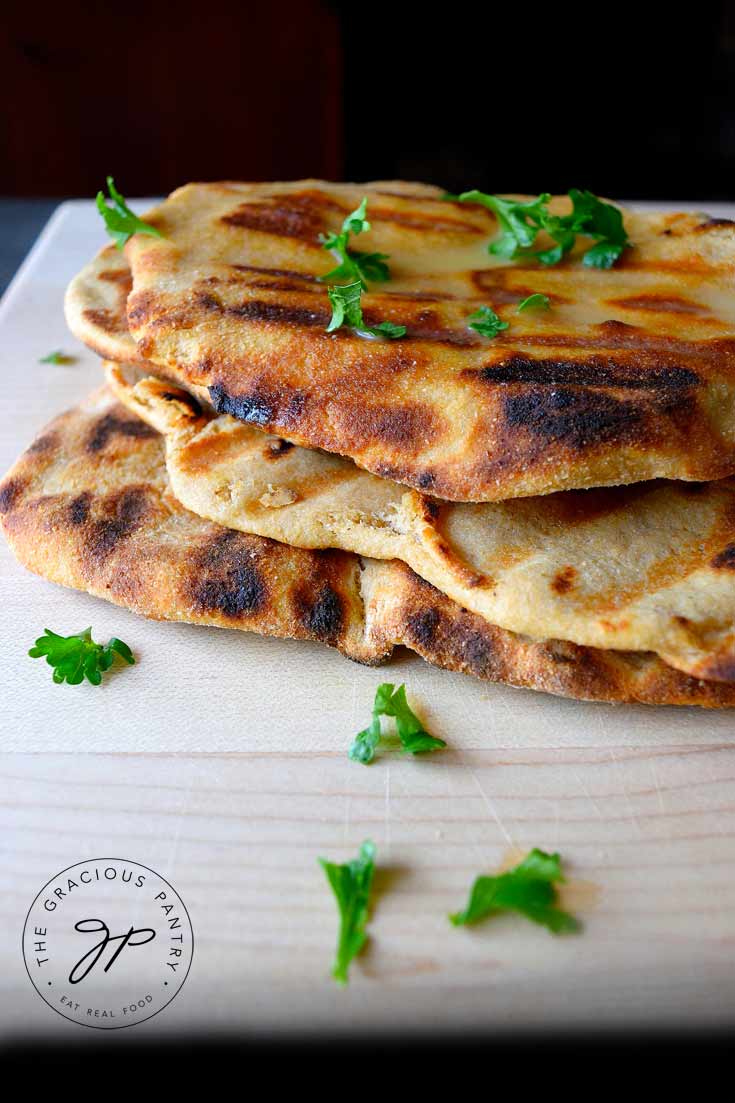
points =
(630, 100)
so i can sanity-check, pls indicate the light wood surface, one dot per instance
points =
(640, 802)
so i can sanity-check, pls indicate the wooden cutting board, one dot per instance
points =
(220, 761)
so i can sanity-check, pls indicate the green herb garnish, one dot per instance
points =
(486, 322)
(534, 302)
(527, 889)
(75, 658)
(57, 357)
(120, 221)
(347, 310)
(354, 265)
(351, 886)
(521, 221)
(414, 738)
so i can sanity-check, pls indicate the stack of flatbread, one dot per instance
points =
(552, 508)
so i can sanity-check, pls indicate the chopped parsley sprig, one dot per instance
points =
(119, 220)
(351, 884)
(528, 889)
(537, 301)
(347, 310)
(390, 701)
(486, 321)
(57, 357)
(520, 222)
(354, 265)
(75, 658)
(356, 268)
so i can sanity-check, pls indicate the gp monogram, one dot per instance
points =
(108, 943)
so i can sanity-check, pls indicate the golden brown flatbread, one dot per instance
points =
(88, 505)
(629, 376)
(647, 567)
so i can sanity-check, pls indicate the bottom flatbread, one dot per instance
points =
(88, 505)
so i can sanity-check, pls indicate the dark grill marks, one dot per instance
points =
(123, 513)
(253, 408)
(78, 508)
(323, 618)
(227, 578)
(10, 492)
(670, 304)
(257, 310)
(260, 407)
(278, 273)
(591, 372)
(577, 419)
(422, 626)
(299, 215)
(725, 560)
(111, 425)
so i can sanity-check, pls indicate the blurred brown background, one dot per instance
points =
(631, 100)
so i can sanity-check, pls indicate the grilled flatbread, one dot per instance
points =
(647, 567)
(629, 376)
(88, 506)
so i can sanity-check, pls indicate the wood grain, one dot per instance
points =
(647, 839)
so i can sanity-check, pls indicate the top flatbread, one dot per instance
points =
(629, 376)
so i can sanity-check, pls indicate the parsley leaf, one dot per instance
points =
(350, 884)
(347, 310)
(75, 658)
(414, 738)
(527, 889)
(120, 221)
(520, 223)
(534, 302)
(594, 218)
(354, 265)
(57, 357)
(486, 322)
(388, 329)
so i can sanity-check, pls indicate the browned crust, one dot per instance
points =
(88, 506)
(420, 617)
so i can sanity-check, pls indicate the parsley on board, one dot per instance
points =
(533, 302)
(57, 357)
(354, 265)
(486, 322)
(390, 701)
(75, 658)
(347, 310)
(528, 889)
(520, 222)
(350, 884)
(120, 221)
